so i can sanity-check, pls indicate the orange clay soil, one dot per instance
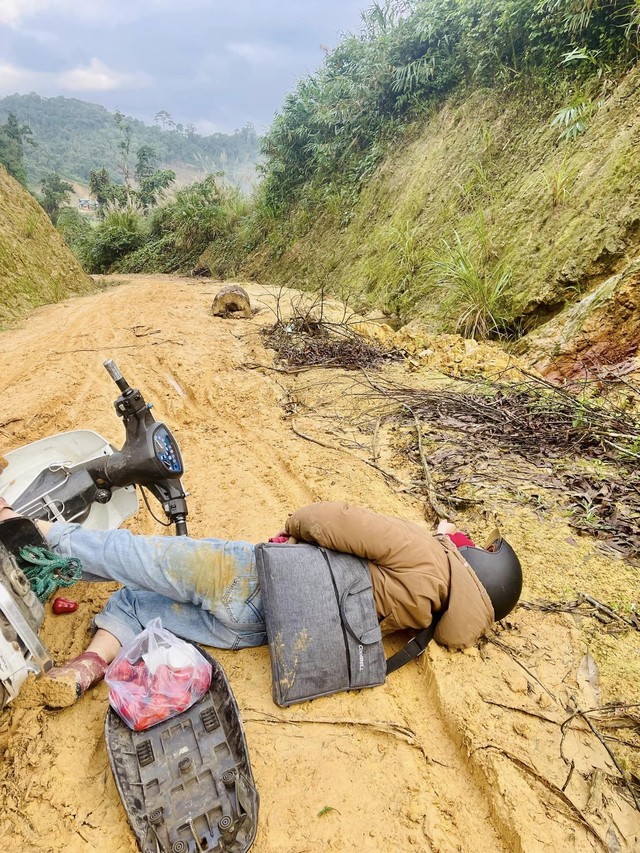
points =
(459, 751)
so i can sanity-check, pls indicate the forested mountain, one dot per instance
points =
(73, 137)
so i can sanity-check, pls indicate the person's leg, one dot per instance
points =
(195, 571)
(129, 610)
(203, 590)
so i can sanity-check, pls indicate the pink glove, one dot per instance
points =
(280, 537)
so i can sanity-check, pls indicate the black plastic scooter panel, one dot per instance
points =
(186, 783)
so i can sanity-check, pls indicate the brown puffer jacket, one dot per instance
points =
(414, 573)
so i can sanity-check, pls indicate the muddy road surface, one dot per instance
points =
(457, 752)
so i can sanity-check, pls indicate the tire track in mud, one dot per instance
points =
(335, 774)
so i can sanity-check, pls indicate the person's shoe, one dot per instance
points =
(64, 685)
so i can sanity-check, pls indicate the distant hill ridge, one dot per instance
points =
(73, 137)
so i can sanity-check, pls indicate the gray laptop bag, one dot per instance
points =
(321, 621)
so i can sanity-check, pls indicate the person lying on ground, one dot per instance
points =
(207, 591)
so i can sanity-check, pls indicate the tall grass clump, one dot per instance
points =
(474, 297)
(77, 233)
(204, 217)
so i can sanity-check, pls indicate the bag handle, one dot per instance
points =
(362, 585)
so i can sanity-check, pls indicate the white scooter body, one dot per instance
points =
(66, 451)
(21, 651)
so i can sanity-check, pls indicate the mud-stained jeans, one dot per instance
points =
(205, 590)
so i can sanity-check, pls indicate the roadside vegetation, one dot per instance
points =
(353, 199)
(416, 148)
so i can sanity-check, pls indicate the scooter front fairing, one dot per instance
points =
(35, 478)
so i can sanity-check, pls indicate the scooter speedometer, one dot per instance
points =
(166, 451)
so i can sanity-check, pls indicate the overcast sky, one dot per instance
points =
(216, 64)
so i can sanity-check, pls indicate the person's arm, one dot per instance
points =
(355, 530)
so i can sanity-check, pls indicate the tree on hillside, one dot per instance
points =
(146, 162)
(13, 136)
(150, 181)
(124, 147)
(164, 118)
(104, 191)
(55, 193)
(151, 189)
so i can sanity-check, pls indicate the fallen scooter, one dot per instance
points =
(186, 783)
(78, 477)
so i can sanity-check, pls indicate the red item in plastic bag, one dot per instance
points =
(155, 677)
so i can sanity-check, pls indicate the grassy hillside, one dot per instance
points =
(73, 137)
(472, 163)
(481, 189)
(36, 267)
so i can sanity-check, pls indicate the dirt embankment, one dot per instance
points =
(478, 751)
(36, 266)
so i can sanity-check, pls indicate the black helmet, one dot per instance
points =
(498, 570)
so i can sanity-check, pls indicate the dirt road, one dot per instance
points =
(458, 752)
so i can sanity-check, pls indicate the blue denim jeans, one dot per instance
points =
(205, 590)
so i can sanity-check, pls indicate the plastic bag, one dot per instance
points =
(156, 676)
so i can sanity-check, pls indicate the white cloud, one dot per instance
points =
(96, 77)
(255, 54)
(12, 78)
(13, 11)
(207, 127)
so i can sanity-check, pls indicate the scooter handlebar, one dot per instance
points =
(112, 369)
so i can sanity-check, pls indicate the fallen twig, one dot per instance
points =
(514, 656)
(605, 609)
(386, 474)
(437, 507)
(384, 726)
(598, 610)
(250, 365)
(144, 331)
(374, 441)
(110, 347)
(585, 716)
(316, 440)
(521, 711)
